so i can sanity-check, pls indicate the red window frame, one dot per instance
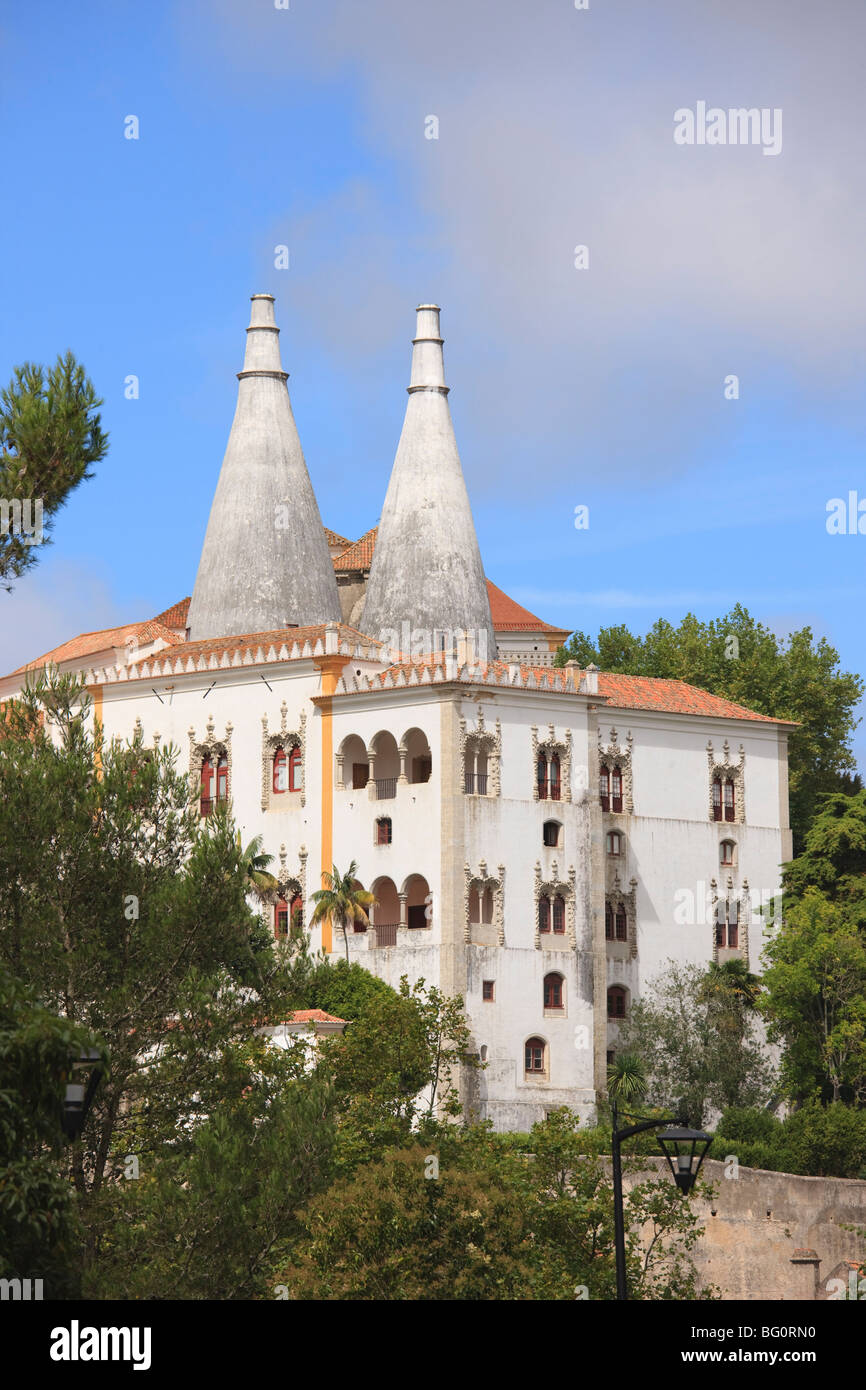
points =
(559, 915)
(555, 781)
(207, 772)
(544, 914)
(541, 775)
(717, 798)
(534, 1056)
(726, 853)
(604, 788)
(553, 991)
(383, 830)
(730, 805)
(282, 918)
(616, 788)
(621, 923)
(614, 837)
(280, 773)
(222, 778)
(295, 769)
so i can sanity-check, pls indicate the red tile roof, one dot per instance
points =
(360, 555)
(89, 643)
(250, 642)
(508, 616)
(313, 1016)
(175, 616)
(334, 538)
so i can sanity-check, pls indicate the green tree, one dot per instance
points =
(698, 1042)
(341, 901)
(833, 858)
(50, 435)
(796, 679)
(815, 1000)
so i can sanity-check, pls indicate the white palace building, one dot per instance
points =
(539, 840)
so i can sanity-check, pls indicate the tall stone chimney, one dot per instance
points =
(265, 560)
(426, 570)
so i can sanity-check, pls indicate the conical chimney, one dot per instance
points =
(265, 560)
(426, 588)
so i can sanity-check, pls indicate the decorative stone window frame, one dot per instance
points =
(478, 740)
(482, 881)
(743, 897)
(286, 739)
(138, 730)
(549, 746)
(724, 770)
(210, 747)
(553, 887)
(290, 885)
(615, 895)
(615, 753)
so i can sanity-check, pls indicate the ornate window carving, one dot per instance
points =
(481, 757)
(551, 766)
(615, 779)
(290, 892)
(484, 906)
(210, 767)
(729, 923)
(288, 769)
(727, 790)
(620, 915)
(554, 908)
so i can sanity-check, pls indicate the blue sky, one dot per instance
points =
(305, 127)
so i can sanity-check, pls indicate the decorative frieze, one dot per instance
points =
(287, 739)
(726, 770)
(481, 743)
(482, 881)
(614, 754)
(552, 888)
(208, 747)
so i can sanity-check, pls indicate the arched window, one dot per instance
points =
(281, 918)
(295, 769)
(604, 788)
(554, 777)
(474, 905)
(281, 771)
(553, 991)
(535, 1057)
(222, 779)
(383, 831)
(487, 905)
(608, 922)
(544, 914)
(616, 1002)
(616, 788)
(717, 798)
(551, 833)
(207, 774)
(621, 923)
(726, 852)
(296, 911)
(541, 773)
(728, 923)
(614, 843)
(559, 915)
(729, 798)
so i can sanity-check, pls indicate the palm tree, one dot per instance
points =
(732, 981)
(341, 901)
(626, 1078)
(254, 864)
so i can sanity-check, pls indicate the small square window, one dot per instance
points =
(487, 990)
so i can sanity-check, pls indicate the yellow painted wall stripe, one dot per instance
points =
(331, 669)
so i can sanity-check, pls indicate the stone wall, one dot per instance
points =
(776, 1236)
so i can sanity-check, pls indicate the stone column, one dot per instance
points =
(340, 784)
(404, 753)
(404, 910)
(371, 776)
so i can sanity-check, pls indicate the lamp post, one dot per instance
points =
(684, 1145)
(79, 1093)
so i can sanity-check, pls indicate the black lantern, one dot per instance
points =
(681, 1147)
(80, 1090)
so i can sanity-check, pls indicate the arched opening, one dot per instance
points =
(544, 913)
(614, 844)
(551, 834)
(386, 764)
(385, 916)
(474, 905)
(352, 757)
(616, 788)
(487, 906)
(559, 915)
(419, 760)
(727, 853)
(616, 1002)
(554, 997)
(535, 1057)
(555, 782)
(417, 907)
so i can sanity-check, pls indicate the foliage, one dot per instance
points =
(816, 1141)
(50, 434)
(698, 1040)
(833, 858)
(815, 1000)
(797, 679)
(341, 901)
(626, 1078)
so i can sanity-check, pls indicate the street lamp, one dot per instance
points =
(79, 1093)
(684, 1144)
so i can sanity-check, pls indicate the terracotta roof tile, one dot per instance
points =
(509, 616)
(334, 538)
(249, 643)
(360, 555)
(313, 1016)
(89, 643)
(176, 615)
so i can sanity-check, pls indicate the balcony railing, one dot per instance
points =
(386, 787)
(386, 933)
(475, 783)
